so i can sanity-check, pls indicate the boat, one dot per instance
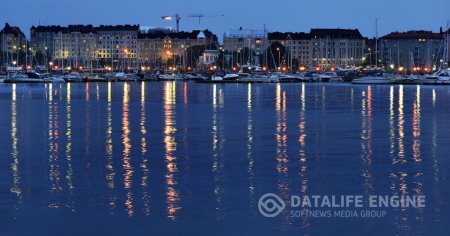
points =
(121, 76)
(194, 76)
(439, 77)
(57, 79)
(407, 79)
(73, 77)
(97, 78)
(330, 76)
(285, 78)
(167, 77)
(373, 79)
(258, 78)
(311, 77)
(28, 77)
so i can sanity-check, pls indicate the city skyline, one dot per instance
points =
(301, 17)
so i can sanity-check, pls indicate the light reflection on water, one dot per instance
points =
(366, 139)
(250, 155)
(111, 198)
(69, 172)
(170, 129)
(218, 143)
(147, 136)
(144, 161)
(15, 149)
(126, 141)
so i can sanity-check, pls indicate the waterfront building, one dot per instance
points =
(337, 47)
(42, 42)
(163, 47)
(413, 50)
(237, 42)
(322, 48)
(75, 46)
(118, 45)
(296, 44)
(12, 42)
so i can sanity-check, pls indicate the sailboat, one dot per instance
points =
(442, 76)
(378, 77)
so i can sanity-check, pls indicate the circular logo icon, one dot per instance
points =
(270, 205)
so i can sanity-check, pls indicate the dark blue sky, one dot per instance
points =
(278, 15)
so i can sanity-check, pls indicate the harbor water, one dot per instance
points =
(162, 158)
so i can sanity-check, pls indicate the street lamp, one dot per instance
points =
(279, 58)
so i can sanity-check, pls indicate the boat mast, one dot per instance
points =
(62, 50)
(376, 42)
(446, 52)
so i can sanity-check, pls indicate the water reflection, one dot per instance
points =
(54, 160)
(400, 128)
(324, 98)
(126, 141)
(281, 138)
(109, 154)
(391, 125)
(250, 158)
(97, 90)
(173, 195)
(416, 127)
(16, 189)
(401, 175)
(434, 97)
(87, 92)
(302, 154)
(185, 92)
(217, 149)
(69, 171)
(366, 137)
(144, 163)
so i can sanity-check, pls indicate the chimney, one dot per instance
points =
(440, 30)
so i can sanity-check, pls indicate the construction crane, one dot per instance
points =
(200, 16)
(177, 18)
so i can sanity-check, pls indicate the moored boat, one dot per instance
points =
(73, 77)
(373, 79)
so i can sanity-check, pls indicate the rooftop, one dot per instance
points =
(289, 35)
(8, 29)
(160, 34)
(336, 33)
(414, 34)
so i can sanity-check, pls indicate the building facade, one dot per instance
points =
(321, 47)
(297, 46)
(75, 44)
(245, 46)
(337, 47)
(86, 45)
(42, 42)
(118, 44)
(413, 50)
(160, 47)
(12, 42)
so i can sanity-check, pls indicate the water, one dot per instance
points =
(174, 157)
